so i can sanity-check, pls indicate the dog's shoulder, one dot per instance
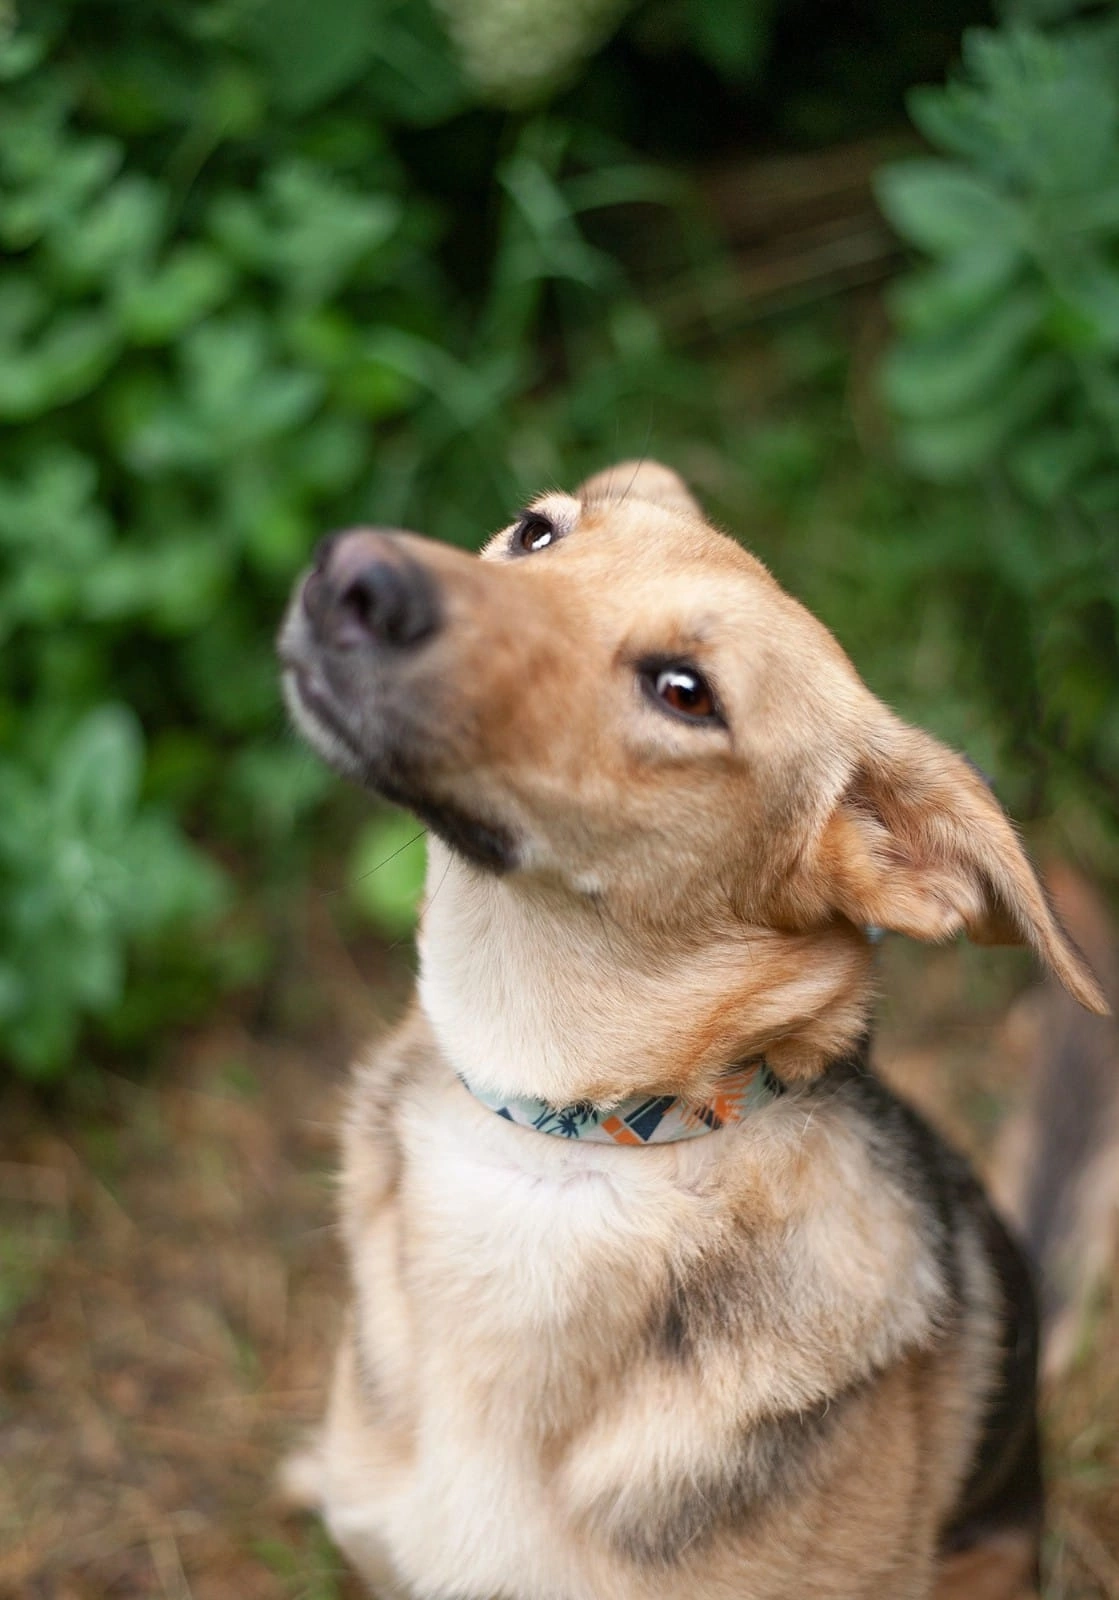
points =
(985, 1270)
(371, 1156)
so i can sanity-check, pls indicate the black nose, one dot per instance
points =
(365, 589)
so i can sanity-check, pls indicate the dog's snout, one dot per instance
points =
(365, 589)
(322, 551)
(390, 601)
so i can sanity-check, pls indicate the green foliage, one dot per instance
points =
(1014, 328)
(1005, 378)
(266, 269)
(231, 317)
(85, 869)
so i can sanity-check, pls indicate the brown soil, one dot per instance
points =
(171, 1286)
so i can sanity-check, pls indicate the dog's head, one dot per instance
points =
(619, 704)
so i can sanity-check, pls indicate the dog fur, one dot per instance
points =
(795, 1357)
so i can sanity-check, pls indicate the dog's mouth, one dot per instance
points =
(322, 717)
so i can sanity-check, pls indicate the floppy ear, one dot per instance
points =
(919, 844)
(640, 480)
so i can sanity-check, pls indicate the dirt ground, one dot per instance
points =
(170, 1287)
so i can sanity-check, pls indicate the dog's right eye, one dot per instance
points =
(533, 532)
(678, 688)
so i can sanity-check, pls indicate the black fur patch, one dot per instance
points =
(777, 1459)
(482, 843)
(486, 844)
(912, 1156)
(774, 1462)
(1004, 1487)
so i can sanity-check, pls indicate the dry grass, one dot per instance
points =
(171, 1284)
(179, 1284)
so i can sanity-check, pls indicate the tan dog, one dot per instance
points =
(793, 1356)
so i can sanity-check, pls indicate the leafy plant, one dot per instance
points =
(1005, 377)
(230, 319)
(269, 268)
(85, 870)
(1011, 335)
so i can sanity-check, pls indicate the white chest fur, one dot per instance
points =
(505, 1297)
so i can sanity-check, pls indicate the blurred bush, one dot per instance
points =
(1004, 380)
(269, 268)
(240, 305)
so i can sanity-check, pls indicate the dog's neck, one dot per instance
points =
(532, 990)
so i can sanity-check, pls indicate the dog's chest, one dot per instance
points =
(516, 1233)
(512, 1297)
(495, 1301)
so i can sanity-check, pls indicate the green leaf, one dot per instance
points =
(97, 771)
(943, 207)
(311, 52)
(275, 785)
(309, 231)
(953, 119)
(733, 35)
(413, 76)
(328, 455)
(170, 883)
(98, 972)
(67, 361)
(550, 244)
(954, 371)
(178, 583)
(120, 230)
(1098, 497)
(51, 514)
(1087, 312)
(954, 447)
(42, 1039)
(1096, 211)
(963, 286)
(21, 50)
(192, 282)
(323, 228)
(1048, 461)
(1050, 103)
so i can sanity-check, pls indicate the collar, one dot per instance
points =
(645, 1119)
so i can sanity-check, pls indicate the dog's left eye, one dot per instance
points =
(683, 691)
(533, 532)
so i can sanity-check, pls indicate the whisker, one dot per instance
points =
(599, 912)
(405, 846)
(427, 905)
(644, 456)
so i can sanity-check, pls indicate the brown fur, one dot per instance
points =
(1000, 1569)
(758, 1364)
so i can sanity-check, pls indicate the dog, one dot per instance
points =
(658, 1293)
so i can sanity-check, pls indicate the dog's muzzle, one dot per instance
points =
(366, 607)
(366, 694)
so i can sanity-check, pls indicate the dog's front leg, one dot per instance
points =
(678, 1467)
(351, 1475)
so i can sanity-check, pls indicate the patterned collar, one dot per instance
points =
(645, 1119)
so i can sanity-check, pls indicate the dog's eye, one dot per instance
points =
(683, 691)
(533, 532)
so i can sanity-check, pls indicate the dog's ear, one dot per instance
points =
(919, 844)
(640, 480)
